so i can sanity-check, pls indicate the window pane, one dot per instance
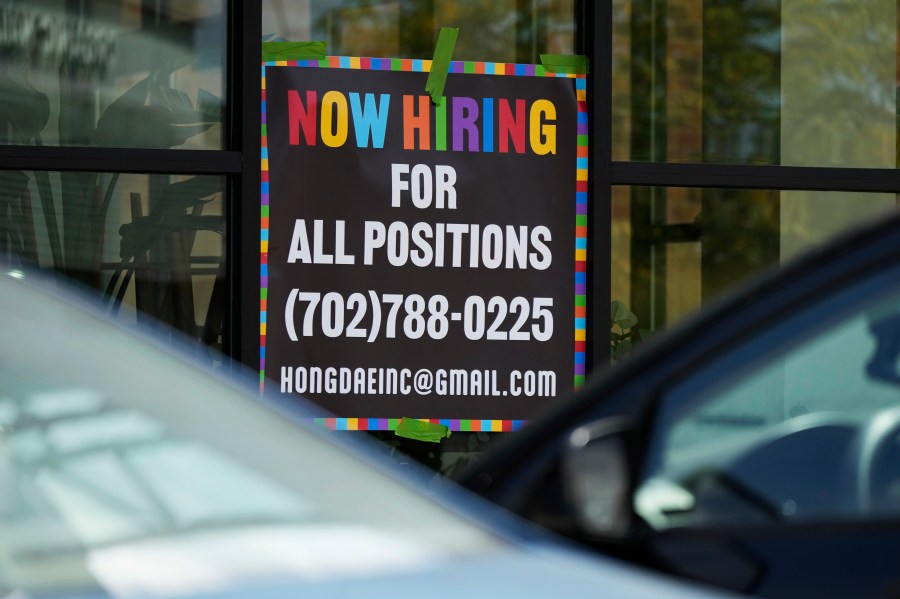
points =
(153, 245)
(500, 31)
(675, 248)
(771, 431)
(801, 83)
(112, 73)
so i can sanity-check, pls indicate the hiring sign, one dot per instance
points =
(423, 259)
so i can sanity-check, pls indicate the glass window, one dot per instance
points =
(675, 248)
(112, 73)
(801, 421)
(153, 245)
(501, 31)
(802, 83)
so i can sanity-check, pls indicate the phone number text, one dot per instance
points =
(393, 315)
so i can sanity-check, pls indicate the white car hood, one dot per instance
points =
(349, 562)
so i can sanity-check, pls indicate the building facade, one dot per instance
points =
(725, 137)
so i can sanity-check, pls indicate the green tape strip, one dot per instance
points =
(273, 51)
(421, 431)
(575, 64)
(440, 64)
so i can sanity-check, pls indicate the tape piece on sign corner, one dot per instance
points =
(573, 64)
(440, 64)
(275, 51)
(421, 431)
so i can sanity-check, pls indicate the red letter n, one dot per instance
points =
(302, 117)
(511, 128)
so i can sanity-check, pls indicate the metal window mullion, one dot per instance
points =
(242, 325)
(120, 160)
(595, 40)
(656, 174)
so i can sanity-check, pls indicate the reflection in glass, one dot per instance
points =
(797, 422)
(122, 476)
(682, 279)
(152, 244)
(112, 73)
(501, 31)
(675, 248)
(797, 83)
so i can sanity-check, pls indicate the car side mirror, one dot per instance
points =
(597, 478)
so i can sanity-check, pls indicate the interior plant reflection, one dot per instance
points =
(624, 333)
(75, 206)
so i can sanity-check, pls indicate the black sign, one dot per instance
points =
(419, 260)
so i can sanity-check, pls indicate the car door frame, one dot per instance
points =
(634, 388)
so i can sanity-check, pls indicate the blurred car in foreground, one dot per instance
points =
(126, 471)
(756, 447)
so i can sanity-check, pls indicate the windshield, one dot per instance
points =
(123, 469)
(798, 421)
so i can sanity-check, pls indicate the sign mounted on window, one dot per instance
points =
(423, 259)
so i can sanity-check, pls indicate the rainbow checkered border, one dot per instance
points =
(389, 424)
(581, 216)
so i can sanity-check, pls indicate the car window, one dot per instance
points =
(125, 470)
(797, 422)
